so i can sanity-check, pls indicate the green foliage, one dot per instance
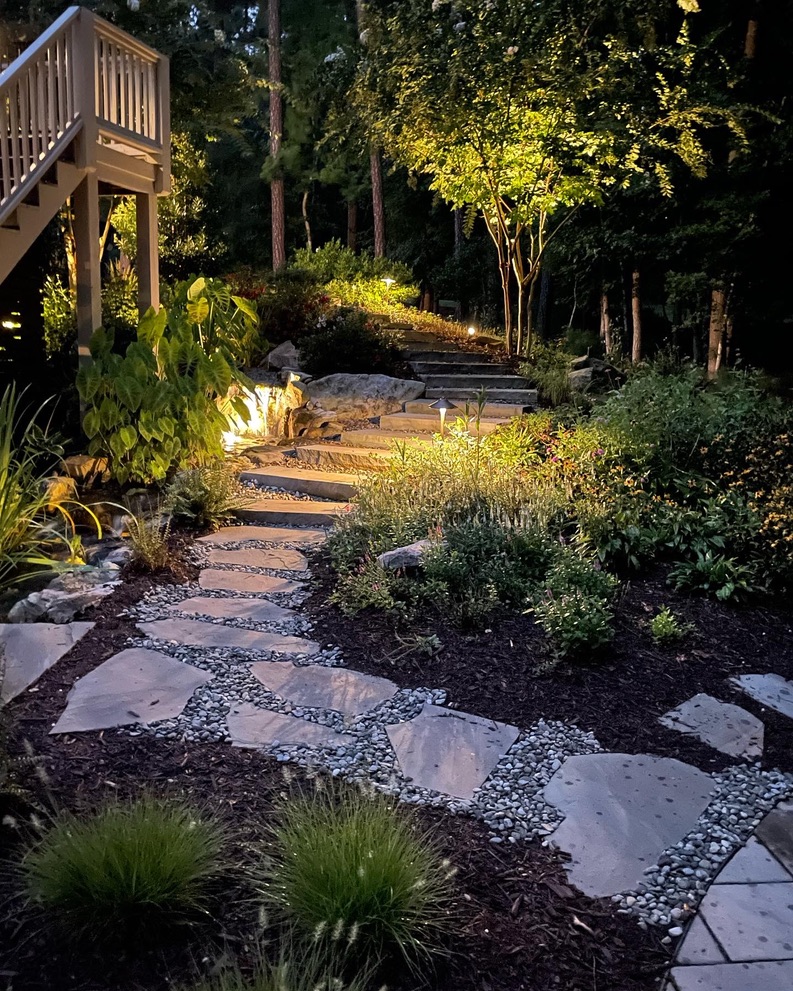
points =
(716, 574)
(366, 586)
(223, 322)
(299, 968)
(289, 304)
(125, 873)
(206, 497)
(667, 628)
(58, 315)
(357, 876)
(149, 537)
(548, 367)
(347, 341)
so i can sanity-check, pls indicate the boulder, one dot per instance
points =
(581, 379)
(86, 469)
(311, 423)
(366, 395)
(52, 605)
(594, 374)
(285, 355)
(297, 375)
(410, 556)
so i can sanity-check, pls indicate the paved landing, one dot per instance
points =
(30, 649)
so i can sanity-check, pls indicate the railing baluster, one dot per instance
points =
(5, 139)
(52, 132)
(105, 81)
(122, 86)
(41, 85)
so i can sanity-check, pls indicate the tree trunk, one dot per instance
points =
(716, 329)
(352, 225)
(544, 303)
(636, 317)
(377, 203)
(306, 221)
(605, 322)
(276, 132)
(458, 232)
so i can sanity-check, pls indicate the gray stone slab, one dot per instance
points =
(751, 921)
(30, 649)
(256, 610)
(621, 812)
(216, 580)
(699, 946)
(133, 686)
(274, 558)
(450, 752)
(340, 689)
(752, 864)
(776, 833)
(249, 726)
(229, 535)
(768, 689)
(723, 726)
(198, 634)
(771, 976)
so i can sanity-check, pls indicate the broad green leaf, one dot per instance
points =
(92, 423)
(199, 310)
(152, 326)
(196, 289)
(130, 392)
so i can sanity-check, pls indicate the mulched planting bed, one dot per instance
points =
(492, 672)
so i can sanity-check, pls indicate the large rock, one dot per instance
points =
(67, 596)
(367, 395)
(311, 423)
(285, 355)
(86, 469)
(410, 556)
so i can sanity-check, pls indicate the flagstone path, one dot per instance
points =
(227, 658)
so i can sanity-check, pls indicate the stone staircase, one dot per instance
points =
(324, 477)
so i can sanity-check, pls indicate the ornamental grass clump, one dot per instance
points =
(358, 877)
(298, 968)
(127, 873)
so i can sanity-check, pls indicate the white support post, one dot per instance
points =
(148, 260)
(89, 277)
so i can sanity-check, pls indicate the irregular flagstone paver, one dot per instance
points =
(723, 726)
(621, 812)
(770, 976)
(768, 689)
(448, 751)
(269, 534)
(752, 864)
(133, 686)
(751, 921)
(256, 610)
(197, 634)
(216, 580)
(340, 689)
(699, 946)
(276, 558)
(30, 649)
(776, 832)
(250, 726)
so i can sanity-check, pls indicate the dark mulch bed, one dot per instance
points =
(493, 672)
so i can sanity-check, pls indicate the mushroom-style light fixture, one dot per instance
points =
(389, 281)
(442, 405)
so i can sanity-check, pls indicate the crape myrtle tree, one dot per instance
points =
(528, 115)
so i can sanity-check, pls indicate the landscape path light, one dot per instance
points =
(442, 405)
(472, 331)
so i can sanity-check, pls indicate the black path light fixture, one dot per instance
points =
(442, 405)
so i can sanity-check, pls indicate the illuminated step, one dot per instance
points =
(323, 484)
(342, 457)
(490, 409)
(459, 394)
(424, 368)
(430, 423)
(292, 512)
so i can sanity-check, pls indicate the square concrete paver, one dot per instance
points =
(723, 726)
(30, 649)
(450, 752)
(255, 610)
(751, 921)
(198, 634)
(621, 812)
(772, 976)
(218, 580)
(229, 535)
(340, 689)
(752, 864)
(276, 558)
(768, 689)
(250, 726)
(699, 946)
(776, 833)
(133, 686)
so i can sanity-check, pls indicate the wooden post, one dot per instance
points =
(148, 259)
(85, 90)
(89, 278)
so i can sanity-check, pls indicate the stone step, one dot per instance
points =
(430, 423)
(525, 397)
(423, 368)
(489, 410)
(449, 353)
(323, 484)
(479, 381)
(380, 442)
(294, 512)
(343, 458)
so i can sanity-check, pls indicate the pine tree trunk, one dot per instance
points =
(605, 322)
(458, 232)
(352, 225)
(306, 221)
(377, 203)
(543, 305)
(276, 132)
(716, 329)
(636, 316)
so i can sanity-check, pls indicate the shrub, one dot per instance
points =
(355, 874)
(126, 872)
(347, 341)
(298, 969)
(208, 495)
(367, 586)
(576, 622)
(548, 367)
(718, 575)
(149, 537)
(289, 305)
(666, 627)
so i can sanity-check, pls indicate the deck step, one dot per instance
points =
(430, 423)
(480, 381)
(423, 368)
(323, 484)
(526, 397)
(341, 457)
(292, 512)
(496, 410)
